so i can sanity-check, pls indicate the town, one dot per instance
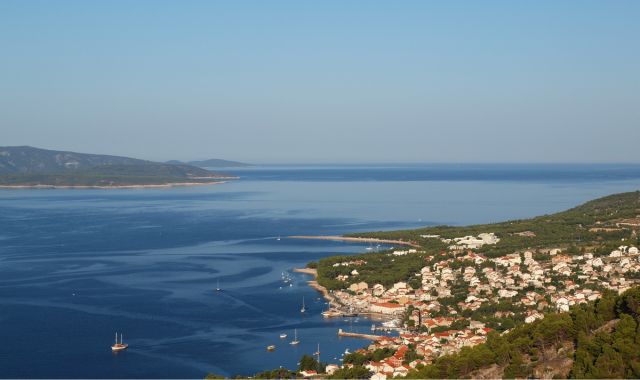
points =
(460, 295)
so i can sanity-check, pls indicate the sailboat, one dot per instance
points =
(303, 308)
(295, 338)
(119, 346)
(218, 286)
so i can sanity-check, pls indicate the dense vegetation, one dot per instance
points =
(580, 334)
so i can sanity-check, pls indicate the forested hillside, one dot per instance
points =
(598, 340)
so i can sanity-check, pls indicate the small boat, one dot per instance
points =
(295, 340)
(290, 284)
(218, 286)
(346, 352)
(303, 308)
(331, 313)
(282, 336)
(271, 347)
(278, 239)
(119, 346)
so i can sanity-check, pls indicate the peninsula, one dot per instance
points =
(28, 167)
(212, 163)
(554, 296)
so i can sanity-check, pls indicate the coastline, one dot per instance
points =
(333, 302)
(159, 185)
(356, 239)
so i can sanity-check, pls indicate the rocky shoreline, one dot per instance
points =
(333, 302)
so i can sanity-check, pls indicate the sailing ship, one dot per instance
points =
(119, 346)
(295, 338)
(303, 308)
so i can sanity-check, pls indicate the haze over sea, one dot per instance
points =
(78, 265)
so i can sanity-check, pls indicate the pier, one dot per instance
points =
(386, 329)
(359, 335)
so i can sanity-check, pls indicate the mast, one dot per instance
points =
(120, 338)
(116, 338)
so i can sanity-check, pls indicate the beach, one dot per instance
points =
(333, 302)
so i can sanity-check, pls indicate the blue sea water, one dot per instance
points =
(78, 265)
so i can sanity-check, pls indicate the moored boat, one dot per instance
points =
(119, 346)
(295, 340)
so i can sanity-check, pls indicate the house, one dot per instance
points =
(375, 366)
(379, 376)
(308, 373)
(401, 371)
(378, 290)
(386, 308)
(331, 368)
(532, 316)
(360, 286)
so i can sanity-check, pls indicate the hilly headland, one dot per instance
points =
(28, 167)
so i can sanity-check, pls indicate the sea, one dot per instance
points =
(79, 265)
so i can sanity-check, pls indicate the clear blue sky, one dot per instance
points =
(324, 81)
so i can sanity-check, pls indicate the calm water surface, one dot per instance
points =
(78, 265)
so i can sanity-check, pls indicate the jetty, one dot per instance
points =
(359, 335)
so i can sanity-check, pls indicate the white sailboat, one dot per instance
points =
(119, 346)
(218, 286)
(303, 308)
(295, 338)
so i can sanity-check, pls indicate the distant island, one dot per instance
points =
(211, 163)
(29, 167)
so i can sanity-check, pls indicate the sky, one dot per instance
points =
(324, 81)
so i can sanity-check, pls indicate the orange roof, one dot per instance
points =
(388, 304)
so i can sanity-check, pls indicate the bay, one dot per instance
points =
(78, 265)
